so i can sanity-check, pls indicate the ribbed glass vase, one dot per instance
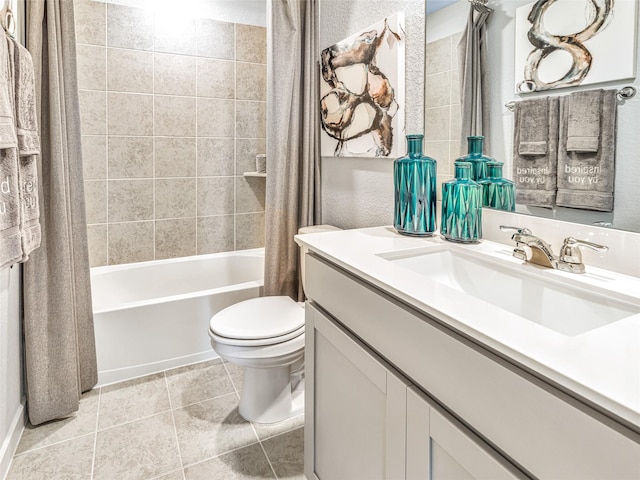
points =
(498, 192)
(415, 191)
(461, 207)
(476, 157)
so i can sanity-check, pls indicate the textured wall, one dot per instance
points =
(173, 112)
(358, 192)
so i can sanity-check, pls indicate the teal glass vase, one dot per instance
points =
(461, 207)
(415, 191)
(476, 158)
(498, 192)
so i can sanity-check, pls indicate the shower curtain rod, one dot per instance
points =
(623, 94)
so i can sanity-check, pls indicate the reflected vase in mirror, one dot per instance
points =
(476, 157)
(498, 192)
(415, 190)
(462, 206)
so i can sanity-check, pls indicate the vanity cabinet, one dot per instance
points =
(467, 410)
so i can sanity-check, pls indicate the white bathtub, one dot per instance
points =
(150, 316)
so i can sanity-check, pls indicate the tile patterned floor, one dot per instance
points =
(182, 424)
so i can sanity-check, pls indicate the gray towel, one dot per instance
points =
(585, 179)
(7, 123)
(28, 146)
(535, 174)
(583, 123)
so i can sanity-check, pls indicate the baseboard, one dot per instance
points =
(10, 443)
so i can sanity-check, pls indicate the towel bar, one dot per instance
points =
(623, 94)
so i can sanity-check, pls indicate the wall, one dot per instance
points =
(173, 111)
(358, 192)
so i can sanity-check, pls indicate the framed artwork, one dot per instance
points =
(362, 93)
(564, 43)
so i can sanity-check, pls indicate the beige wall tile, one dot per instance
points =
(130, 114)
(174, 74)
(216, 78)
(455, 86)
(251, 119)
(129, 27)
(175, 34)
(175, 238)
(215, 156)
(438, 89)
(175, 197)
(215, 234)
(456, 149)
(438, 56)
(250, 194)
(175, 157)
(215, 39)
(95, 197)
(130, 157)
(251, 44)
(215, 117)
(174, 116)
(130, 242)
(93, 112)
(436, 123)
(439, 150)
(92, 67)
(215, 196)
(129, 70)
(251, 81)
(94, 157)
(97, 240)
(90, 22)
(456, 122)
(246, 151)
(249, 230)
(130, 200)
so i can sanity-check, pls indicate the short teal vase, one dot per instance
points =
(476, 158)
(462, 207)
(498, 192)
(415, 191)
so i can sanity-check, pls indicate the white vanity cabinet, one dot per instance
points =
(393, 392)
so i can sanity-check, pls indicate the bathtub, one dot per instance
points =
(150, 316)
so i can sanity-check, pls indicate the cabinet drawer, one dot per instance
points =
(546, 432)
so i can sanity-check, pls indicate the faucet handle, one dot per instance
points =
(518, 251)
(570, 258)
(519, 230)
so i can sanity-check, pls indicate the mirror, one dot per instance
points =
(445, 21)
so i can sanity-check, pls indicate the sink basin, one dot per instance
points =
(563, 307)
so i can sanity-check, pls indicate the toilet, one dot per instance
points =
(265, 336)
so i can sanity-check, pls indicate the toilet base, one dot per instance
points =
(271, 395)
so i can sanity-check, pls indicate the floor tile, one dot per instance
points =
(142, 449)
(196, 383)
(286, 453)
(132, 400)
(265, 431)
(177, 475)
(242, 464)
(209, 428)
(80, 423)
(237, 375)
(70, 460)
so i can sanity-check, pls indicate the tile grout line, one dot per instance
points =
(173, 420)
(265, 453)
(95, 438)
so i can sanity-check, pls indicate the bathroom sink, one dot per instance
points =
(564, 307)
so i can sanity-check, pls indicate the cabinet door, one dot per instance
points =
(355, 425)
(439, 447)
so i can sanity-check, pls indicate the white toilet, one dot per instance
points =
(265, 335)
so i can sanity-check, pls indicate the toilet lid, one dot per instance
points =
(258, 318)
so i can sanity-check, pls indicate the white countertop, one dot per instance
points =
(600, 365)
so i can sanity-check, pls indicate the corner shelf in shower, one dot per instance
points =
(255, 174)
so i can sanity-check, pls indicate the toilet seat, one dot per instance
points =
(258, 321)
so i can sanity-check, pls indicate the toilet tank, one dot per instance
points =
(303, 249)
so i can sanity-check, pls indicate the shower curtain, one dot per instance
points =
(59, 343)
(293, 154)
(472, 51)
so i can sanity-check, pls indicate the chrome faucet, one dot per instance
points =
(539, 252)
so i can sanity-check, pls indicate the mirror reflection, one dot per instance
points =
(580, 145)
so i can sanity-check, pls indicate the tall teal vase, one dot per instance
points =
(461, 207)
(415, 191)
(476, 158)
(498, 192)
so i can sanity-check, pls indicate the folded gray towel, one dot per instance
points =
(586, 179)
(532, 119)
(7, 123)
(28, 145)
(535, 174)
(583, 123)
(10, 233)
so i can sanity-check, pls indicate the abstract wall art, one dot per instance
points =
(564, 43)
(362, 93)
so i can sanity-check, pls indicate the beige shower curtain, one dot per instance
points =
(60, 359)
(293, 154)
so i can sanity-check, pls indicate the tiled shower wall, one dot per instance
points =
(173, 111)
(442, 105)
